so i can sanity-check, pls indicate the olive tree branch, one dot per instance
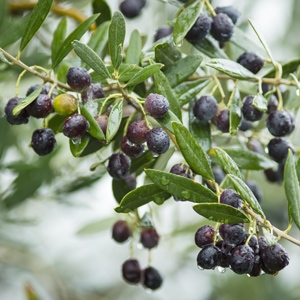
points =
(280, 233)
(33, 71)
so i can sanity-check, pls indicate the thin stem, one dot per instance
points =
(220, 88)
(232, 93)
(268, 225)
(31, 70)
(210, 8)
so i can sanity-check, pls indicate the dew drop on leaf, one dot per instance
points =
(164, 180)
(76, 141)
(186, 194)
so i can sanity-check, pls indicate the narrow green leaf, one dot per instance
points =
(28, 179)
(183, 69)
(292, 189)
(221, 213)
(246, 194)
(201, 131)
(114, 120)
(185, 20)
(298, 169)
(144, 74)
(77, 147)
(141, 196)
(192, 151)
(228, 164)
(91, 58)
(140, 163)
(120, 189)
(235, 114)
(96, 226)
(187, 90)
(134, 48)
(26, 101)
(167, 54)
(181, 187)
(59, 36)
(230, 68)
(210, 48)
(92, 146)
(116, 36)
(260, 103)
(100, 6)
(126, 72)
(163, 87)
(94, 128)
(98, 40)
(167, 120)
(35, 21)
(66, 46)
(250, 160)
(56, 122)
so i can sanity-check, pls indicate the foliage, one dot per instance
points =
(128, 72)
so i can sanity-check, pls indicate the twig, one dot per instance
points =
(34, 72)
(279, 232)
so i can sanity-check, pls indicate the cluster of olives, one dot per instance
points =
(132, 272)
(138, 133)
(75, 125)
(231, 246)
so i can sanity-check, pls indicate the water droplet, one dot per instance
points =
(140, 246)
(200, 268)
(154, 154)
(92, 107)
(76, 141)
(179, 44)
(158, 201)
(221, 270)
(149, 291)
(164, 180)
(186, 194)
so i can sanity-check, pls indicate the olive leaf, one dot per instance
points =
(221, 213)
(192, 151)
(292, 189)
(141, 196)
(181, 187)
(116, 36)
(35, 21)
(230, 68)
(185, 20)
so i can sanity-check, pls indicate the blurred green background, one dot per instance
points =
(44, 241)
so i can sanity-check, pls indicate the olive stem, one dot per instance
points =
(263, 223)
(34, 72)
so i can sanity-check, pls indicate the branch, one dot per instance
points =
(34, 72)
(279, 232)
